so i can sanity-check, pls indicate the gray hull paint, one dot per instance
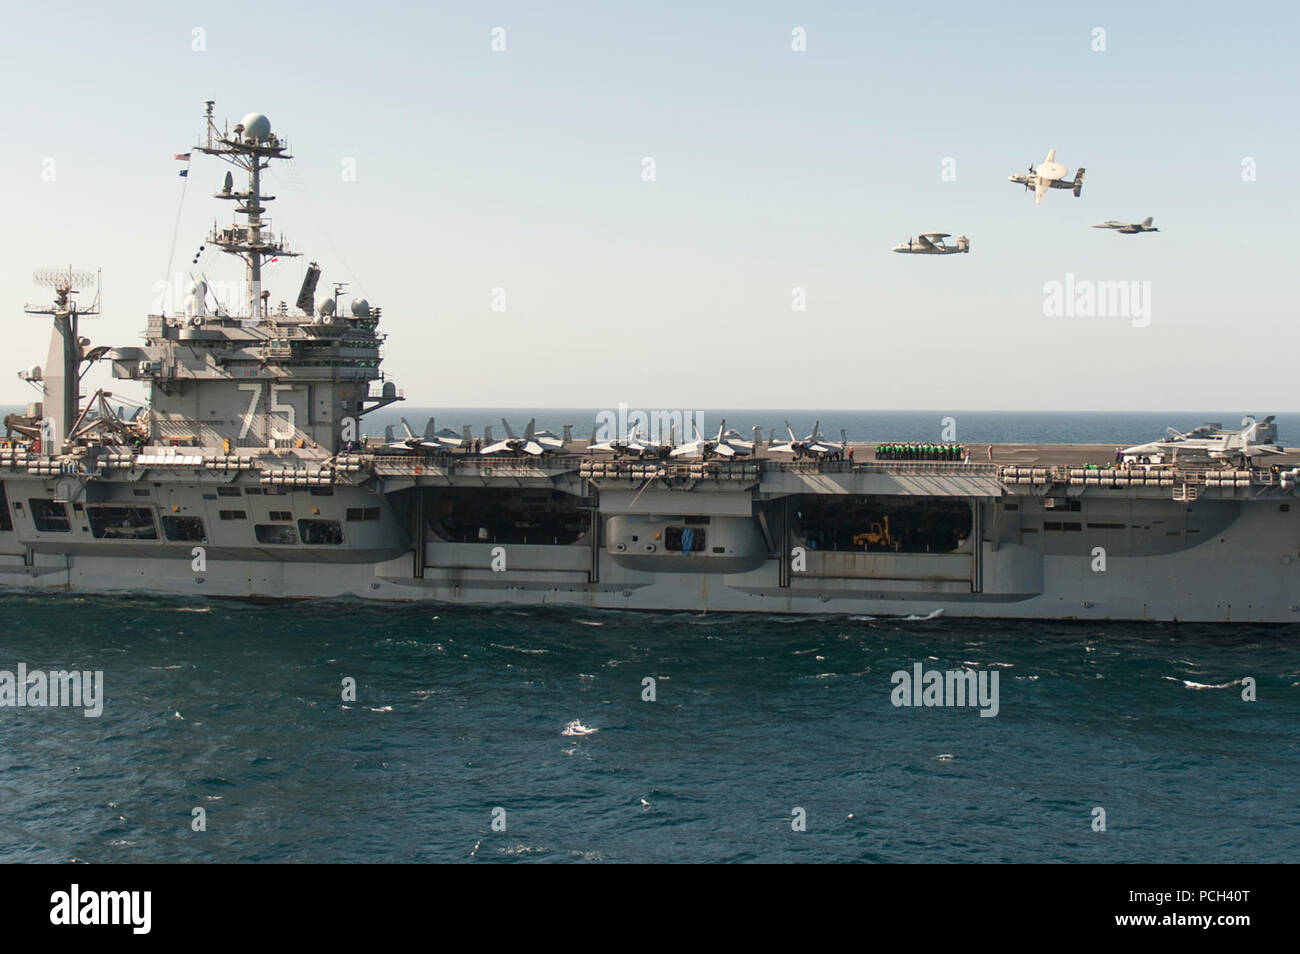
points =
(1249, 570)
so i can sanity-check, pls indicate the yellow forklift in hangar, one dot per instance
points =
(878, 536)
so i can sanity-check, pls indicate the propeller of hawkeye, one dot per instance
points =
(1048, 174)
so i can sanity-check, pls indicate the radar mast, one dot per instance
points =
(61, 377)
(251, 146)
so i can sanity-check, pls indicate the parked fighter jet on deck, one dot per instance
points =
(814, 445)
(726, 444)
(531, 443)
(1212, 442)
(931, 243)
(1048, 174)
(1128, 228)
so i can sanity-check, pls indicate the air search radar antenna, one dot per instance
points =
(66, 282)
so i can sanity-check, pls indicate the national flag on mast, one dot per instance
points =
(184, 173)
(182, 156)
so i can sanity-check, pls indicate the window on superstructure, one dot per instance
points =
(233, 515)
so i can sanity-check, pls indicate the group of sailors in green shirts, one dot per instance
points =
(949, 452)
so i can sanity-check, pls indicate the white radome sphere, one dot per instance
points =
(256, 127)
(360, 308)
(325, 306)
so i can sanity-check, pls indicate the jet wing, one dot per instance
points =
(924, 240)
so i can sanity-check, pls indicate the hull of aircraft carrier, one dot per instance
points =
(246, 476)
(1030, 540)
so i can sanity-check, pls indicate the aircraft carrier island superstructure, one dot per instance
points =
(246, 476)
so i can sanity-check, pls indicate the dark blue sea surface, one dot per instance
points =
(237, 708)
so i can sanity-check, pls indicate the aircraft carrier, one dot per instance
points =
(247, 476)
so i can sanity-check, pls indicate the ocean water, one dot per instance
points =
(237, 708)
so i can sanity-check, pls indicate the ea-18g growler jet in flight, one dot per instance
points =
(1129, 228)
(931, 243)
(1048, 174)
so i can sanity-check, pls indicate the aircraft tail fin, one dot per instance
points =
(1078, 182)
(388, 433)
(406, 427)
(963, 243)
(566, 433)
(487, 435)
(429, 430)
(467, 436)
(529, 430)
(1146, 223)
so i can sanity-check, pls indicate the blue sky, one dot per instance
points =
(775, 169)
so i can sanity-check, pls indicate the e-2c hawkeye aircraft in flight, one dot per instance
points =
(932, 243)
(1048, 174)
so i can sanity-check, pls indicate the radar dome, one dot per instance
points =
(390, 389)
(256, 127)
(34, 373)
(360, 308)
(325, 306)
